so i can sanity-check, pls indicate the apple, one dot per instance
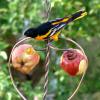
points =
(74, 62)
(25, 58)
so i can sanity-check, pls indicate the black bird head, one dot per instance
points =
(31, 32)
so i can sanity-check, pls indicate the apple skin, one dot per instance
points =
(25, 58)
(74, 62)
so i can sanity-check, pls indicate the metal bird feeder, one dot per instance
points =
(49, 46)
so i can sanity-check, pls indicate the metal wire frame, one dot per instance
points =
(47, 49)
(47, 60)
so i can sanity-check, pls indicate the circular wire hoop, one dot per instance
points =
(82, 77)
(78, 86)
(10, 72)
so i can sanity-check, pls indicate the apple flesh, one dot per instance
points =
(74, 62)
(25, 58)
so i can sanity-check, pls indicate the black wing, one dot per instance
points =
(44, 28)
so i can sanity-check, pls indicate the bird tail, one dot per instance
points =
(78, 15)
(75, 16)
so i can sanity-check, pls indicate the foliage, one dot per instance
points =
(18, 15)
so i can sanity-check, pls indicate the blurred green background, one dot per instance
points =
(18, 15)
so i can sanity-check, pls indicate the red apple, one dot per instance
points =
(74, 62)
(25, 58)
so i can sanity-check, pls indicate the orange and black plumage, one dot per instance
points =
(51, 29)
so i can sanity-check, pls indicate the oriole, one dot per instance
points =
(52, 29)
